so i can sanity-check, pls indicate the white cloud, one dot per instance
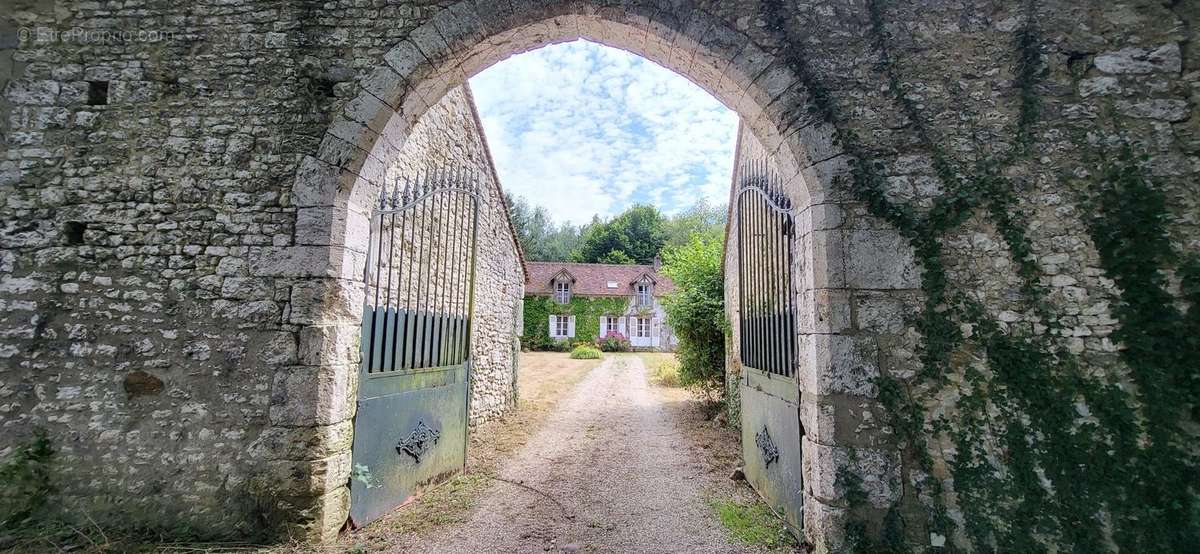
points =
(586, 129)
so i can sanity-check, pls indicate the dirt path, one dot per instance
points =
(609, 472)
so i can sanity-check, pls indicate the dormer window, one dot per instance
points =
(644, 298)
(562, 292)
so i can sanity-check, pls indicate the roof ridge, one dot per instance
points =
(591, 263)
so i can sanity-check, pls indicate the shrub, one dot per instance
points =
(26, 477)
(665, 373)
(614, 341)
(696, 311)
(534, 342)
(543, 343)
(585, 353)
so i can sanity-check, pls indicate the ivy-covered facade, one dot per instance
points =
(569, 303)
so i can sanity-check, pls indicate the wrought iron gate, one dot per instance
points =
(770, 395)
(410, 429)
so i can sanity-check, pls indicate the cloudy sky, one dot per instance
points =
(585, 129)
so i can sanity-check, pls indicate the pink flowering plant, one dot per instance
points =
(613, 341)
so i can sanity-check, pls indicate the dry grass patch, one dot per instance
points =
(664, 368)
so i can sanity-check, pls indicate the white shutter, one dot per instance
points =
(655, 332)
(571, 326)
(621, 326)
(553, 330)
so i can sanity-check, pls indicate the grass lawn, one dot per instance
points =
(664, 368)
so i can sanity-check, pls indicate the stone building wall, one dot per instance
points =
(185, 207)
(449, 135)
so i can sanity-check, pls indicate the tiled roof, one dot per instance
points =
(593, 279)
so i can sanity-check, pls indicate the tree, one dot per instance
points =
(700, 219)
(616, 257)
(696, 312)
(540, 238)
(637, 233)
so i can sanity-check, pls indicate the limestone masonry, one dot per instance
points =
(996, 247)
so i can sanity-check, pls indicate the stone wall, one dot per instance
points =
(186, 205)
(142, 303)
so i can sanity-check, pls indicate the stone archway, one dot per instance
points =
(338, 185)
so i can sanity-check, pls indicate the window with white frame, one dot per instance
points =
(562, 326)
(608, 324)
(643, 294)
(642, 328)
(562, 292)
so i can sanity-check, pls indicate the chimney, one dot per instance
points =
(657, 263)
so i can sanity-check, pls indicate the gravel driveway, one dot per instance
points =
(609, 472)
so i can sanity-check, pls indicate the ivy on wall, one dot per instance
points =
(1046, 451)
(587, 312)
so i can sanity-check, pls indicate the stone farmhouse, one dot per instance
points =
(574, 302)
(976, 223)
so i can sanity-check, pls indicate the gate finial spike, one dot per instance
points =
(383, 195)
(396, 194)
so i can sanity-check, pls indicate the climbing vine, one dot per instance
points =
(1045, 453)
(587, 312)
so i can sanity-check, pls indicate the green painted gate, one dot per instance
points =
(770, 395)
(410, 428)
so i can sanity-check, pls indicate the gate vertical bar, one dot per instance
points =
(437, 280)
(376, 324)
(410, 318)
(390, 316)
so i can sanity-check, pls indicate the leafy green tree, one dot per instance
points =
(700, 219)
(696, 311)
(541, 239)
(616, 257)
(636, 232)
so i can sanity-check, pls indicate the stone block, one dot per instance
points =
(818, 418)
(823, 311)
(303, 443)
(326, 301)
(1164, 110)
(275, 348)
(307, 261)
(880, 260)
(826, 260)
(305, 478)
(838, 364)
(880, 312)
(303, 396)
(824, 526)
(314, 519)
(1136, 60)
(878, 472)
(330, 345)
(828, 181)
